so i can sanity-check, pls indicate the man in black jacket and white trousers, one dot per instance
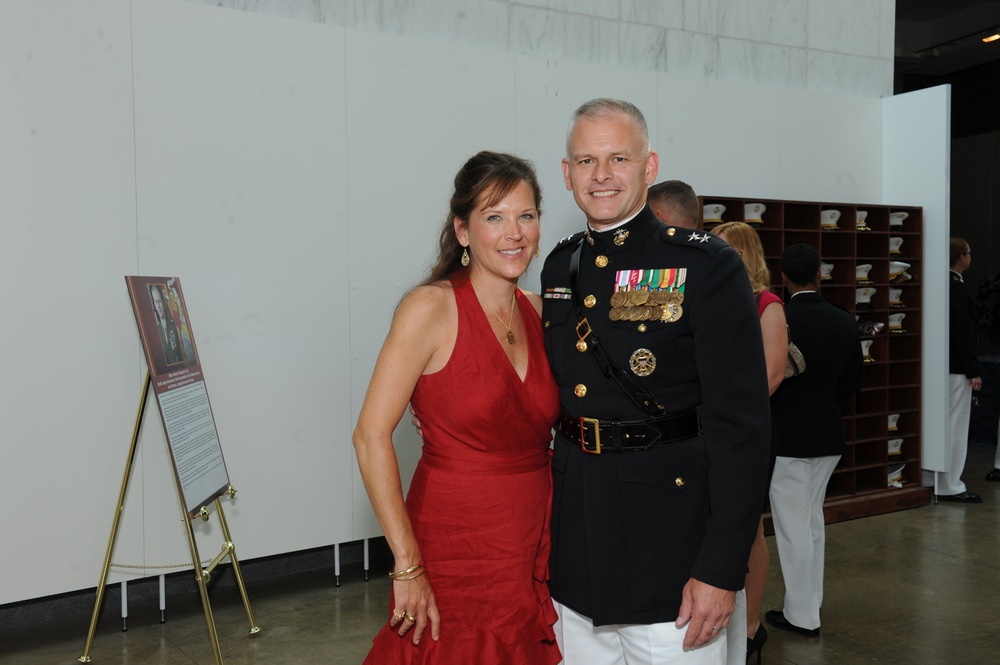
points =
(808, 436)
(963, 377)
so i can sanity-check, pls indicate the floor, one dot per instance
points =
(917, 586)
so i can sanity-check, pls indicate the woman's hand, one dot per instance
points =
(415, 608)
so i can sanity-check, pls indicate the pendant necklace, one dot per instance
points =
(511, 339)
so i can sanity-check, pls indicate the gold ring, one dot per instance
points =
(410, 617)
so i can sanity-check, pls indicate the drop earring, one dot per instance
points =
(538, 253)
(465, 257)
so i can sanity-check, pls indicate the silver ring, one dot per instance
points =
(715, 629)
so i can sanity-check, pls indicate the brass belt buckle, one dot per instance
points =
(597, 435)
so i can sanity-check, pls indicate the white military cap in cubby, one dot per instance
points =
(866, 348)
(828, 220)
(896, 322)
(895, 245)
(861, 273)
(860, 220)
(896, 218)
(895, 447)
(897, 271)
(825, 271)
(752, 213)
(893, 422)
(894, 475)
(712, 213)
(896, 298)
(863, 297)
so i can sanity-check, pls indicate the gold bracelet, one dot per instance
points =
(411, 577)
(411, 569)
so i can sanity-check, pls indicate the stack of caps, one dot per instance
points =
(861, 274)
(712, 213)
(866, 346)
(825, 271)
(896, 322)
(752, 213)
(895, 475)
(897, 271)
(828, 220)
(896, 218)
(863, 297)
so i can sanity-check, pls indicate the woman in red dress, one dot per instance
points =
(471, 540)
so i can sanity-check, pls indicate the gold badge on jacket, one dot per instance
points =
(642, 362)
(648, 295)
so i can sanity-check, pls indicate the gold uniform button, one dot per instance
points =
(671, 232)
(641, 327)
(580, 390)
(546, 324)
(601, 261)
(679, 481)
(590, 301)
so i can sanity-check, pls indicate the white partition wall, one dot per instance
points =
(295, 175)
(917, 167)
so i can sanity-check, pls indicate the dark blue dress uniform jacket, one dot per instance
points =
(630, 529)
(961, 344)
(807, 418)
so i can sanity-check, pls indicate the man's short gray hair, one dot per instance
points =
(604, 107)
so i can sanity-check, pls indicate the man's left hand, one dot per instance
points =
(705, 610)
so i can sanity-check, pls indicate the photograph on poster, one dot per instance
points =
(179, 385)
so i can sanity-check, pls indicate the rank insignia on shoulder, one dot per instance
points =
(558, 292)
(696, 237)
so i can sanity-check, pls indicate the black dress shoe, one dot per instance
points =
(993, 475)
(777, 619)
(962, 497)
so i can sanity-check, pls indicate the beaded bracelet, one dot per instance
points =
(401, 574)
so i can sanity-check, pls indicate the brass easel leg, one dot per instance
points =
(254, 628)
(202, 578)
(116, 522)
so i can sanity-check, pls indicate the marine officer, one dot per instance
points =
(661, 450)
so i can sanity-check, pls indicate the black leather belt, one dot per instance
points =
(596, 436)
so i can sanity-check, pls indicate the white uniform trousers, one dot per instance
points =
(582, 643)
(957, 446)
(798, 489)
(736, 632)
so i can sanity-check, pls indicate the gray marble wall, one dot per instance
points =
(842, 46)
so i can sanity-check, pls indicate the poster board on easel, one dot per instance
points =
(179, 386)
(174, 373)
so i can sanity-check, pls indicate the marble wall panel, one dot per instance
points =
(662, 13)
(692, 54)
(623, 33)
(473, 22)
(754, 62)
(773, 22)
(849, 74)
(845, 26)
(553, 34)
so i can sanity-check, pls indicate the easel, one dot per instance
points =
(202, 575)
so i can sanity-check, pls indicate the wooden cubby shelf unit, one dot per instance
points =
(888, 407)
